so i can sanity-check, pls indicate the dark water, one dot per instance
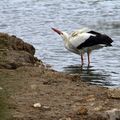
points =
(32, 20)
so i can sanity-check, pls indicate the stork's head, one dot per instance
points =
(64, 35)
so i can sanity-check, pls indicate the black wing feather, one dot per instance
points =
(95, 40)
(94, 32)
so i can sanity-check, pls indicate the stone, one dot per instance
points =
(98, 108)
(11, 42)
(46, 107)
(37, 105)
(114, 93)
(14, 52)
(113, 114)
(68, 118)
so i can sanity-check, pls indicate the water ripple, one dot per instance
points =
(32, 20)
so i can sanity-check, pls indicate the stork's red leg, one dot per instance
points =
(88, 53)
(82, 60)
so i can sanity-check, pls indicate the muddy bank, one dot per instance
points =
(14, 52)
(33, 92)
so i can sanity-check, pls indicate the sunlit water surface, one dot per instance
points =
(32, 20)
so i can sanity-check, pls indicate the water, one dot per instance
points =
(32, 20)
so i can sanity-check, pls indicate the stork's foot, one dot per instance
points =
(88, 65)
(82, 63)
(89, 62)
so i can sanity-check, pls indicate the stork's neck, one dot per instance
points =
(65, 36)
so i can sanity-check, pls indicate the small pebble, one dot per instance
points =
(46, 107)
(98, 108)
(68, 118)
(37, 105)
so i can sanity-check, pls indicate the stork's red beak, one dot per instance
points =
(57, 31)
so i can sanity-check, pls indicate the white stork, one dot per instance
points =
(84, 40)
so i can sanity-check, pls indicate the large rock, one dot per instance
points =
(14, 52)
(14, 43)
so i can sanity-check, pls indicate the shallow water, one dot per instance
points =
(32, 20)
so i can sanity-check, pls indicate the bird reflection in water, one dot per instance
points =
(89, 74)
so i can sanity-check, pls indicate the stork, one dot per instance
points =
(84, 41)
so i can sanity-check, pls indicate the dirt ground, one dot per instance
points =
(61, 96)
(33, 92)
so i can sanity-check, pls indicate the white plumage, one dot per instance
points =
(84, 40)
(79, 38)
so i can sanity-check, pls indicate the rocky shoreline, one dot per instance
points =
(30, 91)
